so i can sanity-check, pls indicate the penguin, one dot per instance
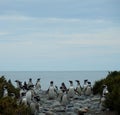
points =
(23, 99)
(105, 90)
(37, 87)
(22, 90)
(71, 90)
(88, 90)
(64, 98)
(30, 94)
(5, 91)
(34, 106)
(103, 98)
(29, 83)
(19, 84)
(51, 91)
(60, 94)
(63, 86)
(78, 88)
(85, 86)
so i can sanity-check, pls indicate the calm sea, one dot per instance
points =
(57, 76)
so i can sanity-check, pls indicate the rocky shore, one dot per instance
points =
(79, 105)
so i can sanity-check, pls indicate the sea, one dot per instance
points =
(56, 76)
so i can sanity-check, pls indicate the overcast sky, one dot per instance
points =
(59, 35)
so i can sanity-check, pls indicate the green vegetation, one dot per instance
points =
(9, 106)
(113, 82)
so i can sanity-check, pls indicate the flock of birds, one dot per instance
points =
(30, 93)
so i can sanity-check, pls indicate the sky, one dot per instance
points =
(59, 35)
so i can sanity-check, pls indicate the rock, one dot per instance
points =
(49, 113)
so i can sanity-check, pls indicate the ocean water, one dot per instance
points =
(57, 76)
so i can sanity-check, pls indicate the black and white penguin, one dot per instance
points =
(60, 94)
(64, 98)
(23, 99)
(51, 91)
(71, 90)
(78, 88)
(30, 94)
(19, 84)
(103, 98)
(34, 106)
(5, 91)
(63, 87)
(29, 83)
(22, 90)
(37, 87)
(85, 86)
(105, 90)
(88, 90)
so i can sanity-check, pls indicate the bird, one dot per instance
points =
(5, 91)
(19, 84)
(88, 90)
(78, 88)
(30, 94)
(23, 99)
(103, 98)
(37, 87)
(29, 83)
(64, 98)
(71, 90)
(51, 91)
(85, 85)
(105, 90)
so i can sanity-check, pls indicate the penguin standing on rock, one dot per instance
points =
(37, 86)
(78, 88)
(51, 91)
(103, 98)
(64, 98)
(30, 94)
(88, 90)
(105, 90)
(19, 84)
(85, 86)
(29, 83)
(71, 90)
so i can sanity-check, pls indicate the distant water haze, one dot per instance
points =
(57, 76)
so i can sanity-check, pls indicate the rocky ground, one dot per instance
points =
(79, 105)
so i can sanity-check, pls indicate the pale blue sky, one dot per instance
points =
(59, 35)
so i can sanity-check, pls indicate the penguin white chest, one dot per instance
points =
(5, 93)
(88, 91)
(51, 92)
(71, 92)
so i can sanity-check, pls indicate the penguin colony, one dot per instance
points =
(30, 93)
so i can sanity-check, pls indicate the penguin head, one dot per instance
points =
(89, 83)
(86, 80)
(63, 84)
(30, 79)
(71, 82)
(78, 82)
(51, 83)
(104, 86)
(5, 87)
(38, 79)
